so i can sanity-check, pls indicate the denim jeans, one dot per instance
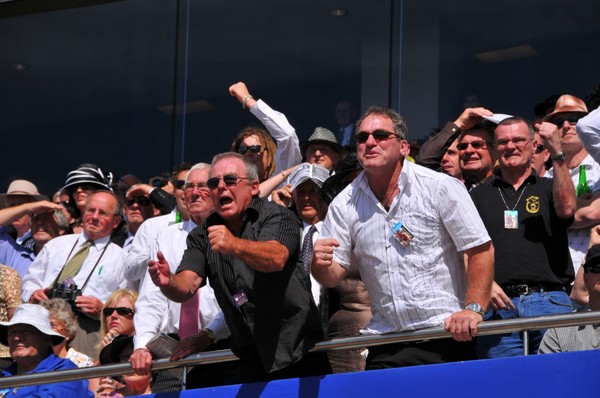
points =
(533, 304)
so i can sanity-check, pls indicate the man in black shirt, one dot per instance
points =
(527, 218)
(249, 249)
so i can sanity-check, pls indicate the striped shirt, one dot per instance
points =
(280, 322)
(421, 284)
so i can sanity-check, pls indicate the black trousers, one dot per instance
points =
(419, 353)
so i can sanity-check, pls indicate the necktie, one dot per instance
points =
(74, 264)
(189, 317)
(307, 248)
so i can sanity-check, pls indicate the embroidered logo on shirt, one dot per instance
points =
(532, 204)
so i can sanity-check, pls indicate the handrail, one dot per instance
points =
(484, 329)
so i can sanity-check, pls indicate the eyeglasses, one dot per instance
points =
(123, 311)
(230, 180)
(201, 186)
(179, 184)
(140, 200)
(591, 269)
(378, 136)
(539, 149)
(559, 121)
(253, 148)
(519, 142)
(84, 187)
(477, 144)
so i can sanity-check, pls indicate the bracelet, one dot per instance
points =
(246, 98)
(283, 176)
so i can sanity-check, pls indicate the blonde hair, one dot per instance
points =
(132, 295)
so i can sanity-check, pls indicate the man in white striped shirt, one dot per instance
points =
(407, 227)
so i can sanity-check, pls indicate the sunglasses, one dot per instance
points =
(179, 184)
(230, 180)
(378, 136)
(591, 269)
(253, 148)
(123, 311)
(539, 149)
(559, 121)
(84, 187)
(475, 144)
(140, 200)
(519, 142)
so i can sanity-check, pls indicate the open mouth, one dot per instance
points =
(225, 201)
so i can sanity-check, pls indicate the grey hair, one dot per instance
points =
(250, 167)
(399, 123)
(197, 166)
(61, 310)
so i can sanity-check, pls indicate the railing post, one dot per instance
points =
(525, 342)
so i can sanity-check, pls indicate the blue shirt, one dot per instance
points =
(14, 255)
(65, 389)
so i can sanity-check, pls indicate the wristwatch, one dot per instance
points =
(211, 335)
(559, 156)
(475, 308)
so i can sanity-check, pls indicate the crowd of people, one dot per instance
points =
(279, 244)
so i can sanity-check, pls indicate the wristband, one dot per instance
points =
(246, 98)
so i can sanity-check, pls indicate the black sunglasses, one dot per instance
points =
(253, 148)
(559, 121)
(179, 184)
(539, 149)
(123, 311)
(230, 180)
(378, 135)
(475, 144)
(140, 200)
(591, 269)
(84, 187)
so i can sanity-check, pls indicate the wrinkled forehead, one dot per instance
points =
(228, 166)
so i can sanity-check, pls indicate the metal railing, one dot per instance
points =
(484, 329)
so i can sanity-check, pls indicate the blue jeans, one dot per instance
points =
(533, 304)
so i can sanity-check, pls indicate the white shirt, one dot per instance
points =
(315, 286)
(288, 146)
(422, 284)
(136, 262)
(588, 130)
(155, 313)
(106, 271)
(579, 238)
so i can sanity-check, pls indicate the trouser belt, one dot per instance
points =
(525, 289)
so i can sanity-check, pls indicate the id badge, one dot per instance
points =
(240, 298)
(400, 232)
(511, 219)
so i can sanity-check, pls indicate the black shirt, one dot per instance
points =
(537, 252)
(280, 322)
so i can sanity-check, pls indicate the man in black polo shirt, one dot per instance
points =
(527, 217)
(249, 250)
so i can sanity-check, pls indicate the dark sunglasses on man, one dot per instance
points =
(378, 136)
(572, 119)
(140, 200)
(477, 144)
(229, 180)
(252, 148)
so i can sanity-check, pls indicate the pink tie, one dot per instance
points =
(189, 317)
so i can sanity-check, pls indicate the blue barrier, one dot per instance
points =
(553, 375)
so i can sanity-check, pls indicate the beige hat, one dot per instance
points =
(567, 104)
(20, 188)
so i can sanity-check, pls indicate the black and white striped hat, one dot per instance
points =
(89, 174)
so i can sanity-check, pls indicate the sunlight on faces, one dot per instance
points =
(260, 160)
(198, 199)
(180, 193)
(383, 154)
(310, 204)
(514, 155)
(322, 154)
(98, 217)
(475, 159)
(123, 324)
(231, 201)
(450, 161)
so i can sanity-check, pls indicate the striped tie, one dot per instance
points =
(74, 264)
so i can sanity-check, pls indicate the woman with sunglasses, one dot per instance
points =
(117, 321)
(273, 151)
